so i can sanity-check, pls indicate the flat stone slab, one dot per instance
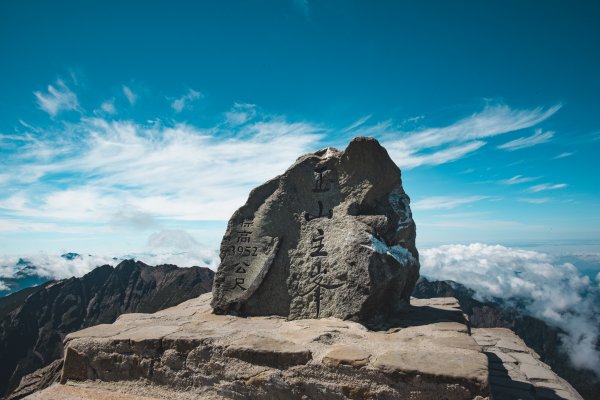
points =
(537, 372)
(269, 352)
(69, 392)
(346, 355)
(453, 364)
(524, 358)
(188, 348)
(516, 370)
(510, 346)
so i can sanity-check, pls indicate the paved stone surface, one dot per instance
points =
(448, 363)
(537, 372)
(346, 355)
(333, 236)
(516, 371)
(69, 392)
(187, 350)
(270, 352)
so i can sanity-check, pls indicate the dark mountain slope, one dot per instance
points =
(34, 322)
(538, 335)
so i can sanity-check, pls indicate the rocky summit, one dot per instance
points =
(331, 237)
(189, 352)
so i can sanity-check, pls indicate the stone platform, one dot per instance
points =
(187, 352)
(516, 371)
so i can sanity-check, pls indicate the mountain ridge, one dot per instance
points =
(34, 322)
(124, 283)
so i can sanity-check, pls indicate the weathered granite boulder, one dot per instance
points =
(331, 237)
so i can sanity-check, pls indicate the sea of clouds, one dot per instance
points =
(51, 266)
(544, 286)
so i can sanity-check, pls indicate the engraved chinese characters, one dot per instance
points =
(242, 246)
(331, 237)
(245, 261)
(318, 245)
(320, 187)
(318, 279)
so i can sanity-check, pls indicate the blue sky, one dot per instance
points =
(128, 126)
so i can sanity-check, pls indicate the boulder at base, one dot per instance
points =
(331, 237)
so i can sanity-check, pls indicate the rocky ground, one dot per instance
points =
(188, 352)
(515, 371)
(540, 337)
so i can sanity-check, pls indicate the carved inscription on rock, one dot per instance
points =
(319, 279)
(245, 260)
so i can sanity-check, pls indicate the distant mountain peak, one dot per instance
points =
(70, 256)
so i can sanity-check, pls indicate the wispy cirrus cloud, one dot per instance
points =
(445, 202)
(107, 108)
(129, 95)
(240, 114)
(357, 123)
(184, 101)
(564, 155)
(147, 169)
(534, 200)
(83, 171)
(528, 141)
(435, 146)
(546, 186)
(57, 98)
(518, 179)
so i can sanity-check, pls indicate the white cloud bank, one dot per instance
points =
(550, 290)
(51, 266)
(176, 247)
(554, 292)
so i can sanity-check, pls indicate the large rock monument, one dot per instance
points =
(331, 237)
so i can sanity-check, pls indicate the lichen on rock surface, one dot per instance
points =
(333, 236)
